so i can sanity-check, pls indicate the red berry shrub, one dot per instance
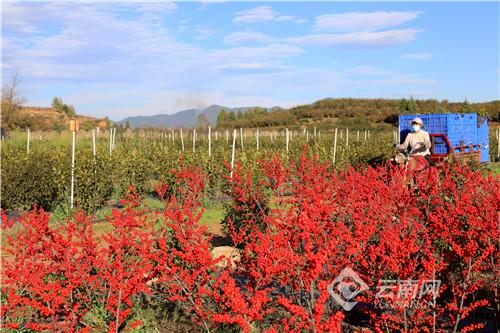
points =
(247, 209)
(48, 276)
(297, 228)
(370, 221)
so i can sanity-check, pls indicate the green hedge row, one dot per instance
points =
(43, 177)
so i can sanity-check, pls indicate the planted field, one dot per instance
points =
(43, 176)
(180, 241)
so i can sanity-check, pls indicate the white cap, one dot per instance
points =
(418, 121)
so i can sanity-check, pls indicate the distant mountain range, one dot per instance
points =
(185, 118)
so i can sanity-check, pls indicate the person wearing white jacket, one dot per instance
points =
(418, 142)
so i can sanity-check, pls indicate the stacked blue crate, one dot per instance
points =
(461, 129)
(483, 138)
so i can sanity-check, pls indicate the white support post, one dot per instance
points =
(287, 138)
(110, 140)
(209, 141)
(194, 140)
(28, 141)
(335, 146)
(233, 152)
(93, 141)
(241, 139)
(72, 199)
(182, 140)
(347, 137)
(257, 135)
(357, 136)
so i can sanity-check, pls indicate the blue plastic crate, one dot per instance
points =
(440, 146)
(483, 138)
(461, 129)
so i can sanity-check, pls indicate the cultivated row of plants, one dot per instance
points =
(42, 177)
(296, 228)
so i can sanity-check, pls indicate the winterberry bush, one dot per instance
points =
(297, 226)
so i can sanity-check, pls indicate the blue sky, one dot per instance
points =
(129, 58)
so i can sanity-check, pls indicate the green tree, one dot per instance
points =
(412, 106)
(231, 116)
(465, 107)
(408, 106)
(222, 118)
(58, 104)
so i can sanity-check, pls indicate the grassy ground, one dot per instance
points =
(494, 167)
(211, 217)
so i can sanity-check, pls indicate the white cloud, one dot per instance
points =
(418, 56)
(284, 18)
(362, 21)
(263, 14)
(258, 14)
(251, 65)
(268, 52)
(367, 71)
(203, 33)
(379, 38)
(92, 49)
(244, 37)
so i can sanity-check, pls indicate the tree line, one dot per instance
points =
(353, 111)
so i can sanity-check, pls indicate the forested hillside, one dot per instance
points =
(353, 112)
